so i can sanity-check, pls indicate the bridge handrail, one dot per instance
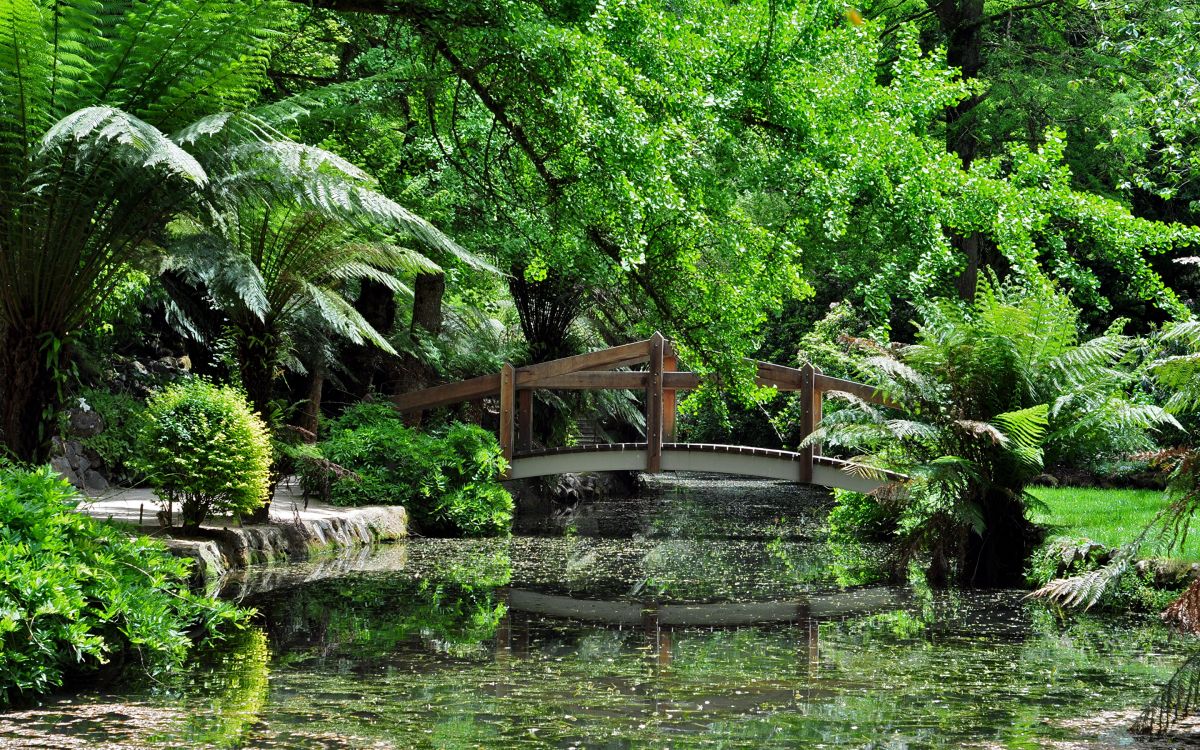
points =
(661, 381)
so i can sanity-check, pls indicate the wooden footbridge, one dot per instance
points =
(661, 381)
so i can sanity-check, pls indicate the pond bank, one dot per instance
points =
(299, 530)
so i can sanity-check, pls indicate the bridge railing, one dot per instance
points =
(661, 381)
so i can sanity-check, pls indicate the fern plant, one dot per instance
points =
(90, 90)
(1177, 372)
(982, 392)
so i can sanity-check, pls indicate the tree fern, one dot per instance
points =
(984, 391)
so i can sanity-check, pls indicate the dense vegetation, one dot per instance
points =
(81, 599)
(986, 209)
(447, 481)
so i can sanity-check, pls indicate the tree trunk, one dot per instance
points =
(377, 304)
(428, 291)
(962, 24)
(999, 556)
(27, 394)
(311, 413)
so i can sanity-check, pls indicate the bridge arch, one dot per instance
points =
(661, 381)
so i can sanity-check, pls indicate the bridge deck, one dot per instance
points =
(721, 459)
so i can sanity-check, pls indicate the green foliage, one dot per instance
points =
(116, 444)
(447, 481)
(1081, 559)
(858, 516)
(982, 392)
(78, 596)
(203, 448)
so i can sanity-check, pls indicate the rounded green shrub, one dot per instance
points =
(78, 596)
(202, 447)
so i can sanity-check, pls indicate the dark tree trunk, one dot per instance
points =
(962, 24)
(365, 364)
(428, 291)
(999, 556)
(27, 394)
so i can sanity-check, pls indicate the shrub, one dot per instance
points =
(861, 517)
(202, 447)
(446, 481)
(78, 595)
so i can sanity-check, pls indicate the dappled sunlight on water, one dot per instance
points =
(709, 614)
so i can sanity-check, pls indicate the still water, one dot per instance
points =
(705, 614)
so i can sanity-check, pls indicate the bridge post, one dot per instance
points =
(525, 420)
(654, 405)
(810, 417)
(670, 408)
(508, 394)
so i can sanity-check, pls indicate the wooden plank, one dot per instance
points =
(450, 393)
(654, 406)
(680, 381)
(590, 380)
(670, 362)
(508, 394)
(862, 390)
(808, 393)
(638, 351)
(782, 377)
(524, 420)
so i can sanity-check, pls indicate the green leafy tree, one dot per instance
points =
(981, 393)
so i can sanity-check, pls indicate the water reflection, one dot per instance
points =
(668, 636)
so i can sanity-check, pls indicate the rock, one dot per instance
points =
(140, 369)
(94, 480)
(84, 422)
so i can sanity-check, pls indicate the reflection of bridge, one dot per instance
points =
(658, 622)
(660, 381)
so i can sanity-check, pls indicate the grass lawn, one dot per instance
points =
(1111, 517)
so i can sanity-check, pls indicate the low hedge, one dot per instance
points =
(446, 480)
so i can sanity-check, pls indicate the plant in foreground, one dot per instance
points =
(79, 597)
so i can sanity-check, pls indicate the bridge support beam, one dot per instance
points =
(810, 417)
(670, 408)
(654, 405)
(508, 397)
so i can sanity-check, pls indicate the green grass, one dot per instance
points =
(1111, 517)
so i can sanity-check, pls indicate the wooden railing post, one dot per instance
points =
(654, 406)
(670, 364)
(508, 395)
(810, 415)
(525, 420)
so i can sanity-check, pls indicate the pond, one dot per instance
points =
(706, 614)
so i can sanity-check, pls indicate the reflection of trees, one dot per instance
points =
(230, 682)
(456, 610)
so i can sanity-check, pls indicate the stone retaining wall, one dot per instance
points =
(217, 551)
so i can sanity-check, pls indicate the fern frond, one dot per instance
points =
(1085, 589)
